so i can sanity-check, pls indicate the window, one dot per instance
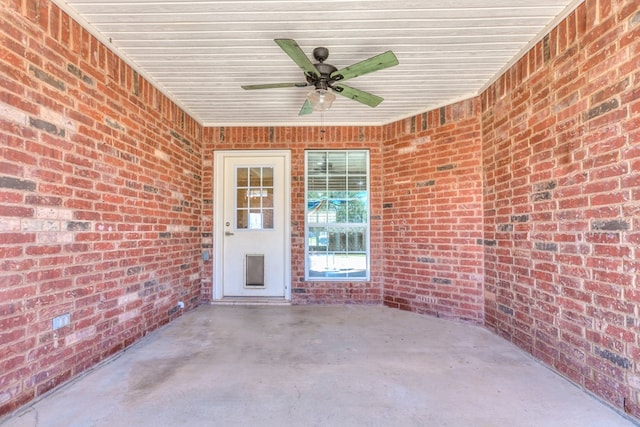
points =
(254, 198)
(337, 215)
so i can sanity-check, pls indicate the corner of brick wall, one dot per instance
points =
(432, 210)
(561, 147)
(106, 218)
(100, 178)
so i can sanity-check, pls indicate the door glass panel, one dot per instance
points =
(256, 177)
(254, 201)
(267, 177)
(267, 218)
(255, 219)
(241, 200)
(242, 179)
(267, 198)
(242, 219)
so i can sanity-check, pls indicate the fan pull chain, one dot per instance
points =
(322, 130)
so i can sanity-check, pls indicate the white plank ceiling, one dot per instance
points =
(199, 52)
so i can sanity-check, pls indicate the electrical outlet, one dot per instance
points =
(180, 304)
(61, 321)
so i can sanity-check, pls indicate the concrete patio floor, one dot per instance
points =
(318, 366)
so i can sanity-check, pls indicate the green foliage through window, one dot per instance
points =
(337, 214)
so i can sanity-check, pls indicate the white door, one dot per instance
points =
(252, 224)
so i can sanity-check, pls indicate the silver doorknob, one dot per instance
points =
(228, 233)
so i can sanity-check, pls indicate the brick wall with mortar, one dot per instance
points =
(299, 139)
(99, 202)
(67, 139)
(433, 213)
(561, 146)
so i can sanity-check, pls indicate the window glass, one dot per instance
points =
(337, 215)
(254, 198)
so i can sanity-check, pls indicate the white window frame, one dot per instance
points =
(366, 225)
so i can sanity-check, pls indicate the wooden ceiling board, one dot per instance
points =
(199, 53)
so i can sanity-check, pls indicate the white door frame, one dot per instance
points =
(218, 214)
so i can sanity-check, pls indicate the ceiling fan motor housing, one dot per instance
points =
(325, 79)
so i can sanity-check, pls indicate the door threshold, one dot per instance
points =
(251, 301)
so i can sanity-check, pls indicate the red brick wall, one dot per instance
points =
(561, 146)
(298, 139)
(433, 213)
(106, 202)
(100, 179)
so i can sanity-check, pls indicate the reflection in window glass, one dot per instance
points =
(337, 214)
(254, 198)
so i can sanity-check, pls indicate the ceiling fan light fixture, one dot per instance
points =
(327, 79)
(321, 99)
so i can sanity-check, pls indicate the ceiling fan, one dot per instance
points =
(326, 78)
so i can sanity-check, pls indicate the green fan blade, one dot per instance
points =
(272, 86)
(306, 108)
(361, 96)
(378, 62)
(292, 49)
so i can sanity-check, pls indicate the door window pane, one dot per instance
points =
(254, 200)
